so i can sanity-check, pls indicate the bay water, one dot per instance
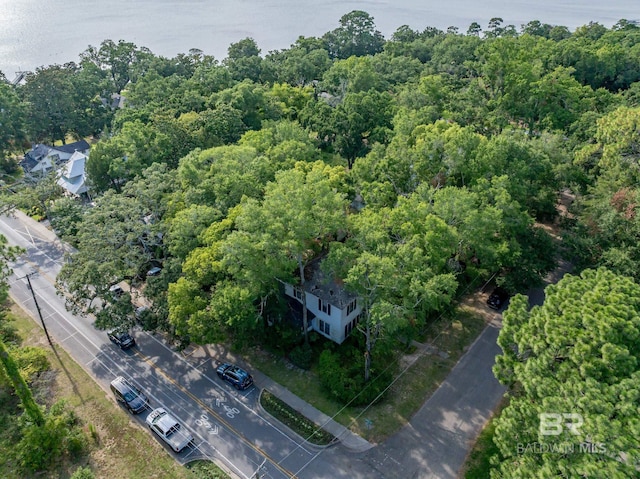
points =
(37, 33)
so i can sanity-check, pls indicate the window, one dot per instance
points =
(297, 292)
(351, 307)
(324, 306)
(351, 326)
(325, 327)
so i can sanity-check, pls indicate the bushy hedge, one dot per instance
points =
(294, 420)
(60, 436)
(302, 356)
(31, 360)
(206, 470)
(342, 375)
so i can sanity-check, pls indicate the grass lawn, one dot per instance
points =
(119, 447)
(418, 381)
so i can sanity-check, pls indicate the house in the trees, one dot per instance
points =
(43, 158)
(72, 175)
(331, 310)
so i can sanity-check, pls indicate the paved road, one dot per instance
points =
(436, 441)
(224, 422)
(228, 426)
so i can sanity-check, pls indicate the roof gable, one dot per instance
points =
(81, 145)
(325, 287)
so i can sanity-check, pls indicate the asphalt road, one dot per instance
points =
(228, 425)
(225, 423)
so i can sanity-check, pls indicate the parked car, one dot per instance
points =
(169, 429)
(155, 271)
(116, 291)
(238, 377)
(129, 395)
(497, 298)
(122, 339)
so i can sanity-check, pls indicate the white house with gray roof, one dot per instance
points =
(332, 311)
(72, 175)
(43, 158)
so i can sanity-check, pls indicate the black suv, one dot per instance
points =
(129, 395)
(122, 339)
(239, 378)
(497, 298)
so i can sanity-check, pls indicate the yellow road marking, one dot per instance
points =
(214, 414)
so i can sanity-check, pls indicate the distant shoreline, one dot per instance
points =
(212, 25)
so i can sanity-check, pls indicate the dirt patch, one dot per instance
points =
(476, 303)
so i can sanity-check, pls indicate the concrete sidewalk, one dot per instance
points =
(348, 439)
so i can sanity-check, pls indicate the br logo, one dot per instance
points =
(552, 424)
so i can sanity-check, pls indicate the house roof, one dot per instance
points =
(325, 287)
(75, 165)
(81, 145)
(28, 163)
(40, 151)
(33, 157)
(72, 174)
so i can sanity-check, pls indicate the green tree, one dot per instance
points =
(575, 354)
(117, 240)
(395, 261)
(244, 61)
(301, 211)
(12, 124)
(301, 64)
(49, 94)
(120, 59)
(355, 36)
(360, 121)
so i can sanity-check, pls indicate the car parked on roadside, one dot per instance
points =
(122, 339)
(129, 395)
(498, 298)
(169, 429)
(237, 377)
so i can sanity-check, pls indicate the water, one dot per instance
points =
(43, 32)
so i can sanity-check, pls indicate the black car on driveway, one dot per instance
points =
(122, 339)
(498, 298)
(237, 377)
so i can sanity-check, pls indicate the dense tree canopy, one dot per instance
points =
(411, 168)
(576, 354)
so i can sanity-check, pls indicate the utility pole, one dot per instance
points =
(38, 308)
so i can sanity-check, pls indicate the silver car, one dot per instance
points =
(169, 429)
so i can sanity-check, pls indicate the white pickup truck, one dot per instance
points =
(169, 429)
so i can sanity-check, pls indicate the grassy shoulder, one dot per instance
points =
(423, 371)
(118, 446)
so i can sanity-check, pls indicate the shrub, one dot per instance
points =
(31, 361)
(83, 473)
(206, 470)
(342, 376)
(294, 420)
(302, 356)
(281, 336)
(60, 436)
